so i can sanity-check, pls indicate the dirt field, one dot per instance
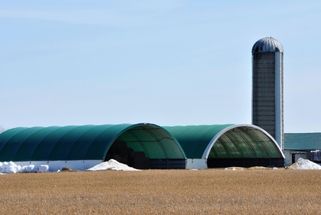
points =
(163, 192)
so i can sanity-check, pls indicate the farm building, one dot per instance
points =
(302, 145)
(81, 147)
(267, 87)
(141, 146)
(227, 145)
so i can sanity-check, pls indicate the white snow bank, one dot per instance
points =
(112, 165)
(304, 164)
(11, 167)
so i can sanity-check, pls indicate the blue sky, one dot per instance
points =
(166, 62)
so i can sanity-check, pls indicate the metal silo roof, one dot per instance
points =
(267, 44)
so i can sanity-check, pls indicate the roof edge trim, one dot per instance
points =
(130, 126)
(223, 131)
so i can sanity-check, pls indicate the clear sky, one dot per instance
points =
(166, 62)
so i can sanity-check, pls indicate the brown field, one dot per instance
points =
(163, 192)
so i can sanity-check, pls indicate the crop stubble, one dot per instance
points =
(163, 192)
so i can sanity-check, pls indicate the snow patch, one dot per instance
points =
(234, 168)
(259, 168)
(112, 165)
(304, 164)
(11, 167)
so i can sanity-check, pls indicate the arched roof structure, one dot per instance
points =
(225, 141)
(88, 142)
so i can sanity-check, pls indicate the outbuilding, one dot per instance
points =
(80, 147)
(208, 146)
(143, 146)
(302, 145)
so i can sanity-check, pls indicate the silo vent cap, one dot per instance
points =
(267, 44)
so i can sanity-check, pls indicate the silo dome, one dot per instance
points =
(267, 44)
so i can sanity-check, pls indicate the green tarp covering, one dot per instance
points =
(194, 139)
(244, 142)
(225, 141)
(92, 142)
(89, 142)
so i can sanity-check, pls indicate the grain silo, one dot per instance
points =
(267, 91)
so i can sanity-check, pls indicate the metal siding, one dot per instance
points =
(279, 121)
(263, 101)
(302, 141)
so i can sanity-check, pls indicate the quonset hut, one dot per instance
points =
(208, 146)
(80, 147)
(143, 146)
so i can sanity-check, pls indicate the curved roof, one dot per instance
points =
(267, 44)
(194, 139)
(89, 142)
(225, 141)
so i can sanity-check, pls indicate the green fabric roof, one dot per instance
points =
(245, 142)
(194, 139)
(302, 141)
(89, 142)
(225, 141)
